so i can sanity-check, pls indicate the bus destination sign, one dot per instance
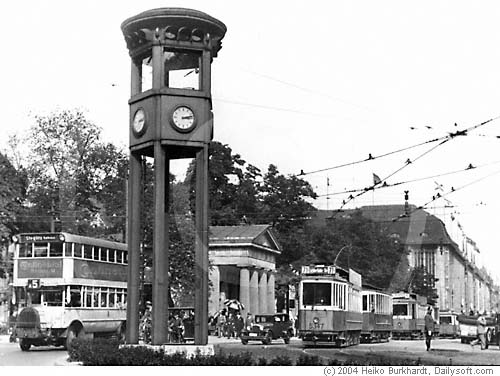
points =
(27, 238)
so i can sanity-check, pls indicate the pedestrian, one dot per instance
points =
(249, 320)
(239, 324)
(429, 328)
(481, 333)
(230, 325)
(146, 323)
(221, 324)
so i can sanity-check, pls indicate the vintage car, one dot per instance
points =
(268, 327)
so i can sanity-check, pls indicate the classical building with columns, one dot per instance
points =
(243, 267)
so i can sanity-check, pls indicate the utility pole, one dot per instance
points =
(52, 217)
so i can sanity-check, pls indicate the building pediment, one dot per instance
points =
(253, 236)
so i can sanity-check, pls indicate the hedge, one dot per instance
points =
(107, 352)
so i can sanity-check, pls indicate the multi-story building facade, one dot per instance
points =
(461, 286)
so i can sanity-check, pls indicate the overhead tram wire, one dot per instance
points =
(449, 136)
(411, 180)
(407, 163)
(371, 158)
(452, 190)
(307, 90)
(445, 139)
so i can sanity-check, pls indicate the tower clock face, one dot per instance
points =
(139, 122)
(183, 119)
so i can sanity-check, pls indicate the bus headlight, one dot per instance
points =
(61, 237)
(15, 238)
(316, 320)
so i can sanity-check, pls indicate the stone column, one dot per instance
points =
(254, 292)
(214, 296)
(271, 304)
(263, 292)
(245, 290)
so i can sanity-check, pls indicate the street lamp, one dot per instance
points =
(338, 254)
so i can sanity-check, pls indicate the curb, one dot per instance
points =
(66, 362)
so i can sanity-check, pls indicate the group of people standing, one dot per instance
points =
(230, 323)
(176, 325)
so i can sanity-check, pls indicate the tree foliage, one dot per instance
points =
(423, 283)
(12, 194)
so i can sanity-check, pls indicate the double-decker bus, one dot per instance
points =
(329, 306)
(68, 286)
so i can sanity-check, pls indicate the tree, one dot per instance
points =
(76, 182)
(12, 195)
(229, 202)
(423, 283)
(353, 242)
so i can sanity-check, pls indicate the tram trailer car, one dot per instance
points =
(329, 306)
(448, 325)
(377, 315)
(408, 315)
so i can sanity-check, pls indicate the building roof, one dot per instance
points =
(416, 228)
(261, 235)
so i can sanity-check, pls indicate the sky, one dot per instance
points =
(302, 85)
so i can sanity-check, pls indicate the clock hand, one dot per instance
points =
(187, 117)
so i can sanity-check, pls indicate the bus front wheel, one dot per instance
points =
(24, 344)
(70, 337)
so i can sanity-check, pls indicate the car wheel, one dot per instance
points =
(286, 339)
(24, 344)
(244, 341)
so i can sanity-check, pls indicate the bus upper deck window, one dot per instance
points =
(87, 251)
(25, 250)
(68, 249)
(41, 249)
(104, 254)
(56, 249)
(126, 257)
(78, 250)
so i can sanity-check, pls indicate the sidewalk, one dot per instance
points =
(216, 340)
(4, 338)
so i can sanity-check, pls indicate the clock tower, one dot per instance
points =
(170, 118)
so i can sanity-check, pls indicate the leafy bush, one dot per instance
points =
(262, 362)
(107, 352)
(281, 360)
(309, 360)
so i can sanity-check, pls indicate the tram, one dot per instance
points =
(329, 310)
(408, 315)
(377, 315)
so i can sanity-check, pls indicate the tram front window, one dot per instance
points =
(317, 294)
(400, 310)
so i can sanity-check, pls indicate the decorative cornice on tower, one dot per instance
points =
(168, 26)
